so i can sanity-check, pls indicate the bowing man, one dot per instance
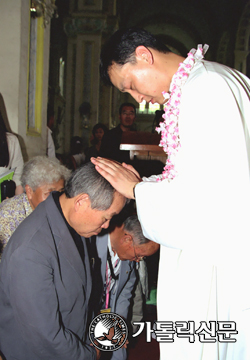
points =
(114, 255)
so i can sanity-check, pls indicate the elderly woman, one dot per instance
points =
(41, 175)
(98, 131)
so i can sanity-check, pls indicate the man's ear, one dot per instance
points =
(127, 240)
(29, 192)
(81, 201)
(144, 54)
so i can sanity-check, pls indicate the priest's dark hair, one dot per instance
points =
(121, 46)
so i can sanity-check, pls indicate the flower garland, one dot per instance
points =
(170, 140)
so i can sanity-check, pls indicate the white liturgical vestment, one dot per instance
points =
(202, 220)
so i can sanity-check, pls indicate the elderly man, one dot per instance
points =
(199, 208)
(113, 255)
(45, 281)
(41, 175)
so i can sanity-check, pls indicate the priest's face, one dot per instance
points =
(141, 80)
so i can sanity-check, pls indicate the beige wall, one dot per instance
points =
(14, 44)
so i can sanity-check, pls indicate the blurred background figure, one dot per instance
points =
(76, 157)
(10, 155)
(41, 175)
(85, 112)
(50, 151)
(85, 115)
(110, 147)
(98, 131)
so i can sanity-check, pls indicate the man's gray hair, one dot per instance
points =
(133, 227)
(41, 170)
(87, 180)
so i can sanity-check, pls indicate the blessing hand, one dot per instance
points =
(122, 177)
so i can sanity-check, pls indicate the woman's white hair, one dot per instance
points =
(41, 170)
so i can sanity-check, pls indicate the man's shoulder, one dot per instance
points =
(209, 71)
(34, 220)
(34, 231)
(116, 130)
(208, 80)
(38, 217)
(46, 209)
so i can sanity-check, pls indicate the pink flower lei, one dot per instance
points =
(170, 140)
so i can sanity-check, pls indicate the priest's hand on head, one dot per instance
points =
(122, 177)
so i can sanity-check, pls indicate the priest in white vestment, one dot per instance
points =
(199, 209)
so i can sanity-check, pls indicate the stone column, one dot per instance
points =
(90, 21)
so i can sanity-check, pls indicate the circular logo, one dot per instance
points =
(108, 332)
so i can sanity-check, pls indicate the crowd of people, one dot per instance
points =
(50, 235)
(72, 242)
(70, 205)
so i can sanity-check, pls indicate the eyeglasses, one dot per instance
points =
(137, 257)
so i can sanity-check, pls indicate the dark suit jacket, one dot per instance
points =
(121, 298)
(44, 291)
